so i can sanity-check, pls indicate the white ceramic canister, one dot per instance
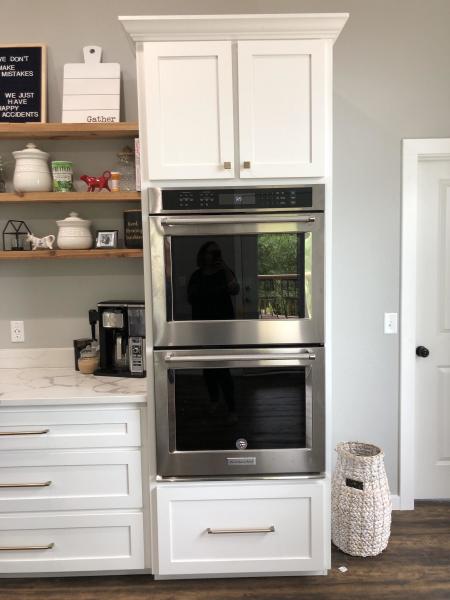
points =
(32, 173)
(74, 233)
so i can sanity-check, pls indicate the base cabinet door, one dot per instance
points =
(241, 529)
(282, 95)
(32, 543)
(189, 110)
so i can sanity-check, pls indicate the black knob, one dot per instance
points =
(422, 351)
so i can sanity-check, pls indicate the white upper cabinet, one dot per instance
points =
(235, 96)
(282, 108)
(189, 106)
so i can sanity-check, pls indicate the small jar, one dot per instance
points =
(115, 181)
(89, 359)
(88, 364)
(126, 166)
(62, 171)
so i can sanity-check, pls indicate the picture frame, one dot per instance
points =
(23, 99)
(107, 238)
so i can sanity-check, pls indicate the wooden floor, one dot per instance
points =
(415, 565)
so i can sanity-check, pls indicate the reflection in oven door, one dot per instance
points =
(239, 412)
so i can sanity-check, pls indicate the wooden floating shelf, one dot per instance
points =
(68, 131)
(71, 254)
(44, 197)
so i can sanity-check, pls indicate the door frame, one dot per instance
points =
(413, 151)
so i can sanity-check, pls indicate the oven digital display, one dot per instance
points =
(237, 199)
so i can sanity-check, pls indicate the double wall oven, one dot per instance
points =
(238, 321)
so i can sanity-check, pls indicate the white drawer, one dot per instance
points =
(277, 528)
(69, 428)
(71, 542)
(67, 479)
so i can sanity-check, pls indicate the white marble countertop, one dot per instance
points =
(43, 386)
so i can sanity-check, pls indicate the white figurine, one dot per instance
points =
(44, 242)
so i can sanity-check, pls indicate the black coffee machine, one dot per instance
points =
(122, 338)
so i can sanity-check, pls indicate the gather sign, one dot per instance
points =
(23, 83)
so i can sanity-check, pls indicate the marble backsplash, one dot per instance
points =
(25, 358)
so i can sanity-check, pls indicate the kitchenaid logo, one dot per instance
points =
(242, 460)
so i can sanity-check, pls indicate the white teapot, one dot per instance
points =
(74, 233)
(32, 173)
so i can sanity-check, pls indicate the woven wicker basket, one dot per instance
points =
(360, 500)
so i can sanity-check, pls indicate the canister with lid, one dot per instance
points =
(74, 233)
(32, 173)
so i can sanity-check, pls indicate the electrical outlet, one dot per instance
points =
(390, 322)
(17, 331)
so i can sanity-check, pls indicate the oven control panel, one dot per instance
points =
(240, 198)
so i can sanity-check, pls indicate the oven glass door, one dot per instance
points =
(245, 412)
(263, 269)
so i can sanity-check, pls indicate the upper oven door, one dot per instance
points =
(237, 279)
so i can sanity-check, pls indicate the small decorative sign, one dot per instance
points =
(133, 229)
(23, 83)
(91, 91)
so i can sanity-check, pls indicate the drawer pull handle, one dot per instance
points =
(270, 529)
(39, 432)
(22, 548)
(26, 485)
(227, 164)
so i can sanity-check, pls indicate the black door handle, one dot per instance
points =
(422, 351)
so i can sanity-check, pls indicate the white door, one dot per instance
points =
(189, 104)
(282, 108)
(432, 410)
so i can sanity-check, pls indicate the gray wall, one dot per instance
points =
(391, 82)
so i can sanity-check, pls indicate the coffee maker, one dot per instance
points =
(122, 338)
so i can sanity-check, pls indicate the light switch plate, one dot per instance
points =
(390, 323)
(17, 331)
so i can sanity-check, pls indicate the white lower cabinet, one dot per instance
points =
(242, 529)
(68, 480)
(55, 543)
(70, 489)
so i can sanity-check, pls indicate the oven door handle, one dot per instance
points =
(236, 220)
(172, 358)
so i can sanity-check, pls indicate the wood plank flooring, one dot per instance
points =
(415, 566)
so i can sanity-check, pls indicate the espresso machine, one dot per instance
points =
(122, 338)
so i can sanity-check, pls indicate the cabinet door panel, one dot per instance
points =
(241, 528)
(282, 108)
(189, 103)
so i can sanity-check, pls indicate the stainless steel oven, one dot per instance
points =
(234, 412)
(237, 266)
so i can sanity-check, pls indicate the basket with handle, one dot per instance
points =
(360, 500)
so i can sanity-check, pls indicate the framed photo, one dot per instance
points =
(23, 83)
(107, 239)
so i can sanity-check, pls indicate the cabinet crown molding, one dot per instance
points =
(153, 28)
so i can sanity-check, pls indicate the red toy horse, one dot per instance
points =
(97, 182)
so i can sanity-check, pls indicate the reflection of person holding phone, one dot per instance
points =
(211, 286)
(209, 292)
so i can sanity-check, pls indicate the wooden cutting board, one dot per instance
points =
(91, 91)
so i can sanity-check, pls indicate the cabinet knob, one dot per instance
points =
(247, 164)
(227, 164)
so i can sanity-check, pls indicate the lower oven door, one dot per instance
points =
(231, 412)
